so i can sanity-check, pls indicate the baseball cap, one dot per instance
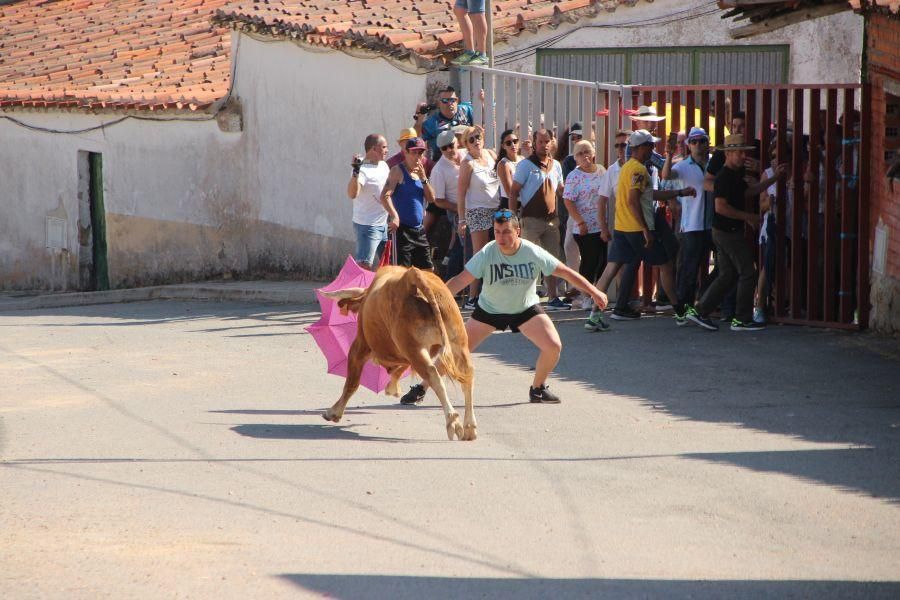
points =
(416, 143)
(640, 137)
(445, 138)
(406, 134)
(697, 132)
(576, 129)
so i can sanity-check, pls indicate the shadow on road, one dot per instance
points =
(375, 587)
(816, 385)
(306, 432)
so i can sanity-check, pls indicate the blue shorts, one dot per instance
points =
(471, 6)
(370, 240)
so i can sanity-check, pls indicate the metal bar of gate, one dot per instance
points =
(780, 205)
(690, 109)
(848, 233)
(831, 160)
(862, 269)
(797, 208)
(720, 117)
(814, 253)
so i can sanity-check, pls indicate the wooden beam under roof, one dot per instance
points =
(791, 18)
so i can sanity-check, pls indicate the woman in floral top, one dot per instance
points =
(582, 198)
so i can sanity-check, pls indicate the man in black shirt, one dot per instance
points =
(735, 259)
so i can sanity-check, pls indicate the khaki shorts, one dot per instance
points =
(544, 233)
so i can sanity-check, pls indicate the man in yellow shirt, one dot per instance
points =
(635, 236)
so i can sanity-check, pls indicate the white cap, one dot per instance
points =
(641, 136)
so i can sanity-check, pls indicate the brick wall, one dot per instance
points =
(884, 69)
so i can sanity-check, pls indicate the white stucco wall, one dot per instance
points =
(185, 200)
(626, 27)
(306, 112)
(151, 170)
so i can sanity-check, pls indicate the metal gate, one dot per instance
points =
(822, 262)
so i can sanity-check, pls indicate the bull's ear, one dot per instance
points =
(345, 293)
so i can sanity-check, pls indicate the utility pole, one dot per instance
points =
(488, 10)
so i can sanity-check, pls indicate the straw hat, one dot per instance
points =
(735, 142)
(647, 113)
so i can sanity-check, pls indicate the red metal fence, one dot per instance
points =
(822, 267)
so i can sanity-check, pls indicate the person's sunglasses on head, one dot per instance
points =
(503, 215)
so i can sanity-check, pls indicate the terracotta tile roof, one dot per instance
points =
(126, 54)
(424, 31)
(175, 54)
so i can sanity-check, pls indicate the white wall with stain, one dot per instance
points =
(185, 200)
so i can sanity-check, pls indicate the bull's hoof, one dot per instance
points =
(454, 427)
(470, 434)
(330, 416)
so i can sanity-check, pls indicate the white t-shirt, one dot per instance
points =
(367, 209)
(608, 188)
(693, 210)
(445, 180)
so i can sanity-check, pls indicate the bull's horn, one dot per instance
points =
(345, 293)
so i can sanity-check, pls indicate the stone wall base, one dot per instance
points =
(885, 298)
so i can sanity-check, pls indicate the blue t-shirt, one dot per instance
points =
(532, 177)
(437, 123)
(509, 283)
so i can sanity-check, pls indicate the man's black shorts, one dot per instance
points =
(436, 210)
(412, 248)
(501, 322)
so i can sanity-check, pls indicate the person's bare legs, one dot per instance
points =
(540, 330)
(465, 26)
(479, 31)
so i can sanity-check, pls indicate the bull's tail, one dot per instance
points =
(446, 356)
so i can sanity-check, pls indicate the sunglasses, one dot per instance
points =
(511, 142)
(503, 215)
(447, 147)
(699, 141)
(622, 145)
(474, 138)
(449, 100)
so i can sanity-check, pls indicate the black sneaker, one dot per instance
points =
(693, 316)
(415, 395)
(626, 314)
(737, 325)
(542, 395)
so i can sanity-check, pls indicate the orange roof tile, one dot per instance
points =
(420, 30)
(133, 54)
(174, 54)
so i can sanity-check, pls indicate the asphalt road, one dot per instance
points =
(176, 450)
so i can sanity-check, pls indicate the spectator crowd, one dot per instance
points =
(678, 213)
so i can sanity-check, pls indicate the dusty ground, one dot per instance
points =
(171, 449)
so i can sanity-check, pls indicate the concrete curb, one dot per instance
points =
(280, 293)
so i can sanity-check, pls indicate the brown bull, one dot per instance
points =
(408, 318)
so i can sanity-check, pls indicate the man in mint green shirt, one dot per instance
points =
(509, 268)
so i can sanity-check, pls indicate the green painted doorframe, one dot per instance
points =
(100, 265)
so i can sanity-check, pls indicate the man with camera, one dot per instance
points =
(450, 113)
(367, 180)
